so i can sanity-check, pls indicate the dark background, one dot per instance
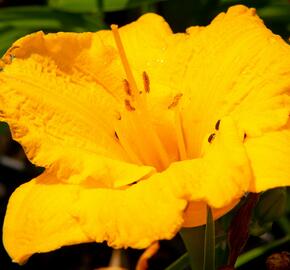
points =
(20, 17)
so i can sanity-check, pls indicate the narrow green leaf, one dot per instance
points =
(180, 264)
(277, 13)
(14, 13)
(209, 242)
(75, 5)
(79, 6)
(32, 23)
(259, 251)
(34, 18)
(126, 4)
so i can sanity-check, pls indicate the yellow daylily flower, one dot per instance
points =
(139, 128)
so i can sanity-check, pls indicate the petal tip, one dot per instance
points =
(241, 9)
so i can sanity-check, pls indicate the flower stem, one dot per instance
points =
(193, 239)
(200, 244)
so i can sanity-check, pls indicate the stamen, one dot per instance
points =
(116, 135)
(125, 142)
(127, 87)
(142, 129)
(175, 101)
(128, 106)
(124, 59)
(211, 137)
(217, 125)
(180, 135)
(146, 82)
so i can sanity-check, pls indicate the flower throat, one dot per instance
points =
(135, 131)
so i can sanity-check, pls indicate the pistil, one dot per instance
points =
(178, 127)
(124, 59)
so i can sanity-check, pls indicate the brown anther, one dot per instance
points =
(175, 101)
(211, 137)
(127, 87)
(116, 135)
(245, 136)
(217, 125)
(133, 183)
(128, 105)
(146, 82)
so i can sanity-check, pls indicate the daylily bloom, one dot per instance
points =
(140, 128)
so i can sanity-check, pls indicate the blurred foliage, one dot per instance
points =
(18, 18)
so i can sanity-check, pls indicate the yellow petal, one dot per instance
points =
(40, 97)
(196, 213)
(223, 174)
(270, 160)
(46, 214)
(239, 68)
(42, 209)
(63, 121)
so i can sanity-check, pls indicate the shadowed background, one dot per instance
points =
(21, 17)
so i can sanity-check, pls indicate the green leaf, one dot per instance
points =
(79, 6)
(32, 23)
(259, 251)
(46, 18)
(275, 12)
(193, 239)
(14, 13)
(75, 5)
(209, 242)
(271, 205)
(180, 264)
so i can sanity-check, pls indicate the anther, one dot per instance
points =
(175, 101)
(133, 183)
(217, 125)
(127, 87)
(116, 135)
(211, 137)
(128, 105)
(245, 136)
(146, 82)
